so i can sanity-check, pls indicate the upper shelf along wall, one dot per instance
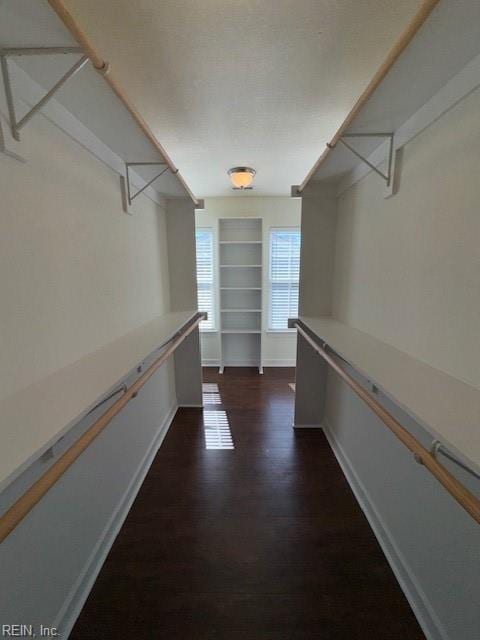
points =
(87, 97)
(439, 66)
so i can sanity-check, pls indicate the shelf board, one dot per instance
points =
(82, 102)
(240, 266)
(34, 418)
(241, 310)
(446, 407)
(240, 288)
(411, 83)
(241, 331)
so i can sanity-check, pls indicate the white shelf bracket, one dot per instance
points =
(389, 176)
(4, 148)
(126, 186)
(437, 447)
(17, 125)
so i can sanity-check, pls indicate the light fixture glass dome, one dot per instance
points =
(241, 177)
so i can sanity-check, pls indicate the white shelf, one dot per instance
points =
(446, 407)
(240, 267)
(85, 101)
(34, 418)
(240, 288)
(240, 230)
(241, 331)
(414, 83)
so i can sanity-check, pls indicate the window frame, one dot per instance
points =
(214, 328)
(296, 228)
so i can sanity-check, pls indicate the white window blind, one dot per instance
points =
(284, 276)
(205, 285)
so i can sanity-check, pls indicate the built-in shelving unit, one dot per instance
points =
(240, 288)
(240, 257)
(238, 331)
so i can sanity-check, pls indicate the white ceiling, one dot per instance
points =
(230, 82)
(265, 83)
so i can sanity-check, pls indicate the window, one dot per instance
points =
(205, 286)
(284, 276)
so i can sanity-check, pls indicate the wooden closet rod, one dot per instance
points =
(39, 488)
(103, 67)
(404, 40)
(467, 500)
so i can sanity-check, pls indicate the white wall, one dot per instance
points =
(181, 254)
(319, 220)
(406, 268)
(431, 543)
(183, 296)
(406, 271)
(278, 347)
(76, 272)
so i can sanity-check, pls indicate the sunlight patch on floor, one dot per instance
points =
(211, 398)
(215, 421)
(210, 387)
(217, 430)
(211, 394)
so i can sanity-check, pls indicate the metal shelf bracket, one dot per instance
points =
(388, 177)
(5, 150)
(5, 53)
(437, 447)
(126, 185)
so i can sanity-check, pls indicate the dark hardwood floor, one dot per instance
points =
(263, 541)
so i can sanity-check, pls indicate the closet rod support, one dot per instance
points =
(9, 96)
(131, 197)
(437, 447)
(149, 183)
(121, 389)
(388, 177)
(4, 149)
(126, 186)
(17, 125)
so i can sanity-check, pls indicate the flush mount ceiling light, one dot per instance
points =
(241, 177)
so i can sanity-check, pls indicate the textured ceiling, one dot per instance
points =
(264, 83)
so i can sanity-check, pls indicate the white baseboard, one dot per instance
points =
(241, 363)
(212, 362)
(75, 600)
(289, 362)
(429, 622)
(236, 363)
